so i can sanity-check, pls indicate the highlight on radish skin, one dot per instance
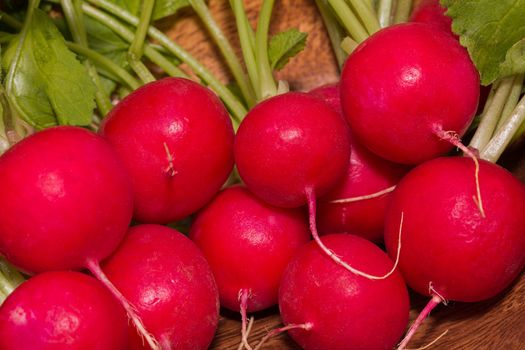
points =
(169, 281)
(62, 310)
(394, 95)
(317, 292)
(447, 242)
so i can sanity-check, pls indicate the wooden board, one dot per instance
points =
(495, 324)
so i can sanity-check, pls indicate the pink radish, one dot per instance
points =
(404, 85)
(289, 145)
(450, 250)
(176, 140)
(357, 204)
(248, 244)
(431, 12)
(171, 285)
(62, 311)
(327, 307)
(66, 204)
(290, 149)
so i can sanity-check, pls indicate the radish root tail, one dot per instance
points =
(435, 301)
(432, 342)
(170, 169)
(313, 228)
(243, 296)
(453, 138)
(365, 197)
(306, 326)
(95, 269)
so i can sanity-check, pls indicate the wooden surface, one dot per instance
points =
(495, 324)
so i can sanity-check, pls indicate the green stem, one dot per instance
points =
(402, 12)
(226, 49)
(235, 106)
(368, 17)
(512, 100)
(136, 49)
(335, 31)
(128, 35)
(384, 12)
(10, 277)
(247, 41)
(489, 120)
(348, 45)
(349, 20)
(105, 63)
(504, 135)
(75, 23)
(266, 80)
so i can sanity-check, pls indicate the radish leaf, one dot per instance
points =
(284, 46)
(493, 32)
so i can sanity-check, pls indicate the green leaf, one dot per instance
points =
(493, 32)
(284, 46)
(49, 86)
(163, 8)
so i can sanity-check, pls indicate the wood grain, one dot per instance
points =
(495, 324)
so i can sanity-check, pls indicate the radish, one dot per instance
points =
(171, 285)
(357, 204)
(431, 12)
(66, 204)
(326, 307)
(291, 148)
(405, 85)
(176, 140)
(62, 310)
(450, 248)
(248, 244)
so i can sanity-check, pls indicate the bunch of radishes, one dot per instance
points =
(362, 162)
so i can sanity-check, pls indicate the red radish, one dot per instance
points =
(404, 85)
(62, 310)
(176, 140)
(449, 249)
(170, 283)
(357, 204)
(431, 12)
(291, 148)
(338, 309)
(248, 243)
(66, 204)
(291, 144)
(65, 200)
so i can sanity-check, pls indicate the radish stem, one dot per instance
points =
(136, 49)
(402, 11)
(266, 80)
(349, 20)
(247, 41)
(10, 278)
(334, 30)
(237, 109)
(489, 120)
(226, 49)
(512, 100)
(504, 135)
(368, 17)
(385, 13)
